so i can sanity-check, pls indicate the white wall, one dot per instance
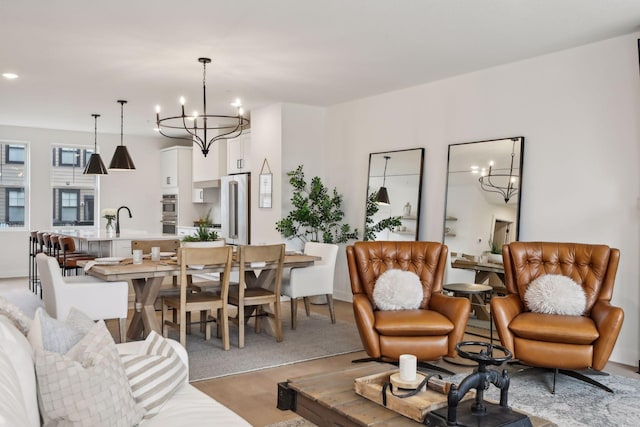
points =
(138, 189)
(578, 111)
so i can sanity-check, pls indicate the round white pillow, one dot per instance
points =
(555, 294)
(398, 290)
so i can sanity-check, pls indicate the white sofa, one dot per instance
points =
(19, 404)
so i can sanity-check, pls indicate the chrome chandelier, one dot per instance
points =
(203, 129)
(502, 183)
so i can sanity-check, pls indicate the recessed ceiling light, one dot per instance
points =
(10, 76)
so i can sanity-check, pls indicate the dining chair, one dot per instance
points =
(206, 303)
(260, 292)
(97, 298)
(311, 281)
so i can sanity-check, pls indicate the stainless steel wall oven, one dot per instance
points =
(169, 213)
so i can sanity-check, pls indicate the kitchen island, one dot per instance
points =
(100, 244)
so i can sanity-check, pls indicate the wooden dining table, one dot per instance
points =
(147, 278)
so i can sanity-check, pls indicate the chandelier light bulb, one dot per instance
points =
(237, 103)
(157, 108)
(240, 111)
(182, 100)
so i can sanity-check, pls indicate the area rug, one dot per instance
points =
(575, 404)
(315, 337)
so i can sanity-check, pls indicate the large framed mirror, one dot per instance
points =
(394, 192)
(482, 208)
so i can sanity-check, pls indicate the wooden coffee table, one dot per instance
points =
(329, 399)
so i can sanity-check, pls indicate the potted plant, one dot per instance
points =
(317, 213)
(203, 237)
(384, 224)
(495, 253)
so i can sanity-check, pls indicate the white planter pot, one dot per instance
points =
(210, 244)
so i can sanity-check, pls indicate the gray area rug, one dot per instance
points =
(575, 404)
(314, 338)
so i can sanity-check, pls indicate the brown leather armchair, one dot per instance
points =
(562, 343)
(430, 332)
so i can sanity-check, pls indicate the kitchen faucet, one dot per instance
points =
(118, 219)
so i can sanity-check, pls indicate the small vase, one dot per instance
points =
(109, 228)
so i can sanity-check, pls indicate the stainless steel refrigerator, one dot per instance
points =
(235, 201)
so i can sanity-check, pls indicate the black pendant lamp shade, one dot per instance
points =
(95, 165)
(382, 198)
(121, 159)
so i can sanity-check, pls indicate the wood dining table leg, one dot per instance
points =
(144, 317)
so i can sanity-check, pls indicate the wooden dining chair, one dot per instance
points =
(204, 302)
(164, 245)
(259, 292)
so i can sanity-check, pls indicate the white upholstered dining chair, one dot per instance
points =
(312, 281)
(95, 297)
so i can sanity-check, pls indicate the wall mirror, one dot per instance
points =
(482, 208)
(394, 192)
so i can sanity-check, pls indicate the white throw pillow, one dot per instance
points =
(555, 294)
(51, 334)
(16, 315)
(87, 386)
(398, 290)
(154, 373)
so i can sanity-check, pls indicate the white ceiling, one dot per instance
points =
(77, 57)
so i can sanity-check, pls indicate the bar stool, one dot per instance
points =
(70, 256)
(33, 267)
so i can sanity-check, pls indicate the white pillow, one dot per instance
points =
(87, 386)
(555, 294)
(398, 290)
(154, 373)
(16, 315)
(51, 334)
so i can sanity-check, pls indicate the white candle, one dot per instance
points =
(408, 367)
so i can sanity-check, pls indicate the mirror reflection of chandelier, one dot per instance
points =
(500, 182)
(218, 126)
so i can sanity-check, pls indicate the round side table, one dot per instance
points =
(470, 289)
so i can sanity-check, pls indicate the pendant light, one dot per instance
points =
(95, 165)
(121, 159)
(382, 198)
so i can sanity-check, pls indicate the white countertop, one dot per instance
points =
(93, 234)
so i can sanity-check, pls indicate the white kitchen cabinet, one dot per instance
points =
(169, 167)
(210, 168)
(239, 154)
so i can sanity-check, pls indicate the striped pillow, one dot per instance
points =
(154, 374)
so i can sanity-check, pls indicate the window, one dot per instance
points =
(15, 206)
(69, 205)
(73, 192)
(87, 155)
(13, 184)
(69, 157)
(15, 154)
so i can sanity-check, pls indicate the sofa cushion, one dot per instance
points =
(154, 373)
(87, 386)
(189, 407)
(398, 290)
(412, 323)
(17, 366)
(579, 330)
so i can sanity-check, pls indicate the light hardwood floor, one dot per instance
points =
(254, 395)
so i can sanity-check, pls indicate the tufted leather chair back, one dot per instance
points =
(426, 259)
(593, 267)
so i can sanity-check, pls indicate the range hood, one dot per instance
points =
(212, 183)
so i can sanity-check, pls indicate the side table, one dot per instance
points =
(480, 292)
